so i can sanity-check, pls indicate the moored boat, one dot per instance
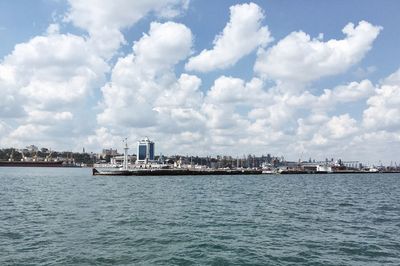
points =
(31, 163)
(174, 171)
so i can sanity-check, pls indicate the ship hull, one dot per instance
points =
(168, 172)
(30, 164)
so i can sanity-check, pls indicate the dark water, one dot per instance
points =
(68, 217)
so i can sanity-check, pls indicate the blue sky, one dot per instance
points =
(287, 80)
(206, 20)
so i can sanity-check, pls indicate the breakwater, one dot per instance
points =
(174, 172)
(188, 171)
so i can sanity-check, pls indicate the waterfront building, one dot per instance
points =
(109, 152)
(145, 151)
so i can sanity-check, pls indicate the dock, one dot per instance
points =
(174, 172)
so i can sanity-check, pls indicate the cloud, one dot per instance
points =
(5, 130)
(320, 136)
(184, 93)
(298, 58)
(235, 90)
(48, 81)
(49, 71)
(57, 90)
(372, 147)
(46, 117)
(102, 137)
(240, 37)
(344, 136)
(53, 28)
(30, 132)
(393, 79)
(383, 110)
(104, 20)
(10, 102)
(361, 72)
(144, 81)
(164, 46)
(341, 126)
(351, 92)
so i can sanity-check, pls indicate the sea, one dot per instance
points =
(66, 216)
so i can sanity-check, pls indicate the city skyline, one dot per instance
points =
(304, 79)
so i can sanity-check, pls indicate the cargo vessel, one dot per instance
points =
(34, 161)
(31, 164)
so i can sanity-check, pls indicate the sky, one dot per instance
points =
(299, 79)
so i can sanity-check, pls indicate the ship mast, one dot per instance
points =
(11, 159)
(48, 157)
(23, 156)
(125, 163)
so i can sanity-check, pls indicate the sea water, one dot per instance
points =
(66, 216)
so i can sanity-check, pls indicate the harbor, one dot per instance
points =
(145, 163)
(184, 132)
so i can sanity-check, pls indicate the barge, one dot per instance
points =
(174, 172)
(31, 164)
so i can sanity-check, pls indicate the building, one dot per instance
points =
(107, 153)
(110, 152)
(145, 151)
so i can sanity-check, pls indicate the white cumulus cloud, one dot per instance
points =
(383, 110)
(242, 34)
(351, 92)
(104, 20)
(341, 126)
(143, 85)
(299, 58)
(47, 81)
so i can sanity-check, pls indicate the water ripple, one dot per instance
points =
(68, 217)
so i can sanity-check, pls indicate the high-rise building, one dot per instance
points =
(145, 151)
